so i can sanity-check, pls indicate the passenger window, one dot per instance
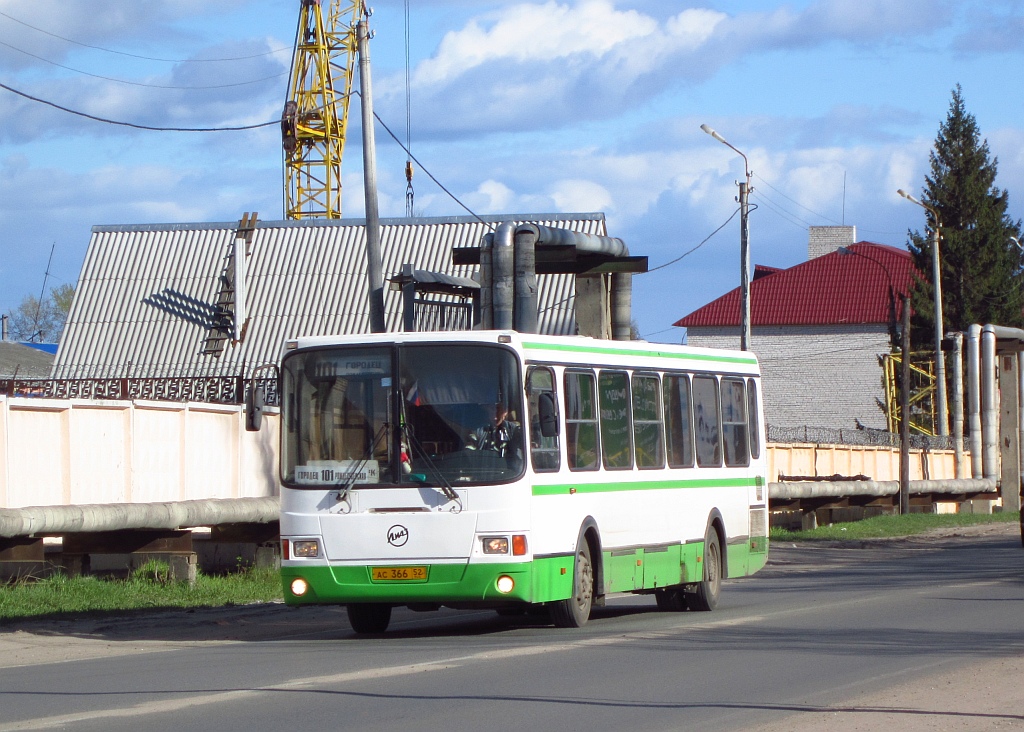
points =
(705, 412)
(581, 442)
(734, 423)
(616, 432)
(543, 450)
(647, 432)
(754, 425)
(678, 421)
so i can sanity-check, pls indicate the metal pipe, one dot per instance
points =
(591, 243)
(989, 396)
(525, 314)
(503, 283)
(622, 306)
(374, 269)
(905, 411)
(958, 405)
(974, 398)
(486, 283)
(843, 488)
(123, 516)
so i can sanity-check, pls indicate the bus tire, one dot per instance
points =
(670, 599)
(575, 611)
(704, 597)
(369, 617)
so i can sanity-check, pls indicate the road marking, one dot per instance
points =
(541, 647)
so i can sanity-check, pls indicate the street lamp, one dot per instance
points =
(940, 364)
(846, 251)
(744, 244)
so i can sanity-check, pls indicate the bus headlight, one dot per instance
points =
(495, 544)
(299, 587)
(505, 584)
(307, 549)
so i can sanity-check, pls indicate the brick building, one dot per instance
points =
(818, 329)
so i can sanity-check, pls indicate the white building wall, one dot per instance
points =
(814, 375)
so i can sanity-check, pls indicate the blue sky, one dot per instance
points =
(560, 106)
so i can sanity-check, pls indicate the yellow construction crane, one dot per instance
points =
(315, 118)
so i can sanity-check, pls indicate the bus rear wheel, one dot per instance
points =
(705, 594)
(670, 599)
(575, 611)
(370, 617)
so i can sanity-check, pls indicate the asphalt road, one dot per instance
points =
(817, 628)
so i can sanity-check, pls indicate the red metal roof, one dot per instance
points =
(836, 288)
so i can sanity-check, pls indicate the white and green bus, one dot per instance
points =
(511, 471)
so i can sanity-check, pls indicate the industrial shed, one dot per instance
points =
(172, 300)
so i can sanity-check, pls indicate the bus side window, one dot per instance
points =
(678, 421)
(734, 423)
(581, 443)
(616, 428)
(540, 388)
(753, 425)
(647, 431)
(705, 412)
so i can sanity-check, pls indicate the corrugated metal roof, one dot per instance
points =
(147, 293)
(837, 288)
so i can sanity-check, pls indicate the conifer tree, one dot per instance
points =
(981, 265)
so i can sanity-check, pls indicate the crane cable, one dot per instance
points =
(410, 194)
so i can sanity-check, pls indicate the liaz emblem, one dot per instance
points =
(398, 535)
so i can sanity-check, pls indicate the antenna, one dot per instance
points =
(36, 333)
(844, 198)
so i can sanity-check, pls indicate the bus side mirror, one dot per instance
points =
(254, 402)
(548, 414)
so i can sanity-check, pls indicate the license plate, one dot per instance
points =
(398, 574)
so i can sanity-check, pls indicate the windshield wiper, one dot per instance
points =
(445, 487)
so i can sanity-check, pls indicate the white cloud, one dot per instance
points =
(580, 195)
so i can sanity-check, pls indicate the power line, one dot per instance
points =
(132, 124)
(145, 58)
(137, 83)
(429, 174)
(691, 251)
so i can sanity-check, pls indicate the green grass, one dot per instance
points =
(891, 526)
(147, 588)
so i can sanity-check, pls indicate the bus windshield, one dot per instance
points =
(408, 415)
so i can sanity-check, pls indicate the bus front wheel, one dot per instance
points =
(705, 594)
(575, 611)
(370, 617)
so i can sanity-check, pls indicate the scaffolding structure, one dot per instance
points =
(315, 117)
(923, 417)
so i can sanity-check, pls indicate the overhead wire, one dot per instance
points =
(692, 250)
(138, 56)
(132, 124)
(137, 83)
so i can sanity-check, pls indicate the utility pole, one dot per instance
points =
(745, 190)
(374, 274)
(745, 264)
(905, 411)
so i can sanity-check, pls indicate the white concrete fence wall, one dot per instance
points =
(56, 452)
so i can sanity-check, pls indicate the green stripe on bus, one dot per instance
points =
(647, 485)
(647, 354)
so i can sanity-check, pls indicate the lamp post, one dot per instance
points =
(744, 244)
(940, 364)
(846, 251)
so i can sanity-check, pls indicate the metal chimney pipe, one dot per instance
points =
(989, 408)
(974, 398)
(622, 306)
(526, 302)
(502, 265)
(486, 282)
